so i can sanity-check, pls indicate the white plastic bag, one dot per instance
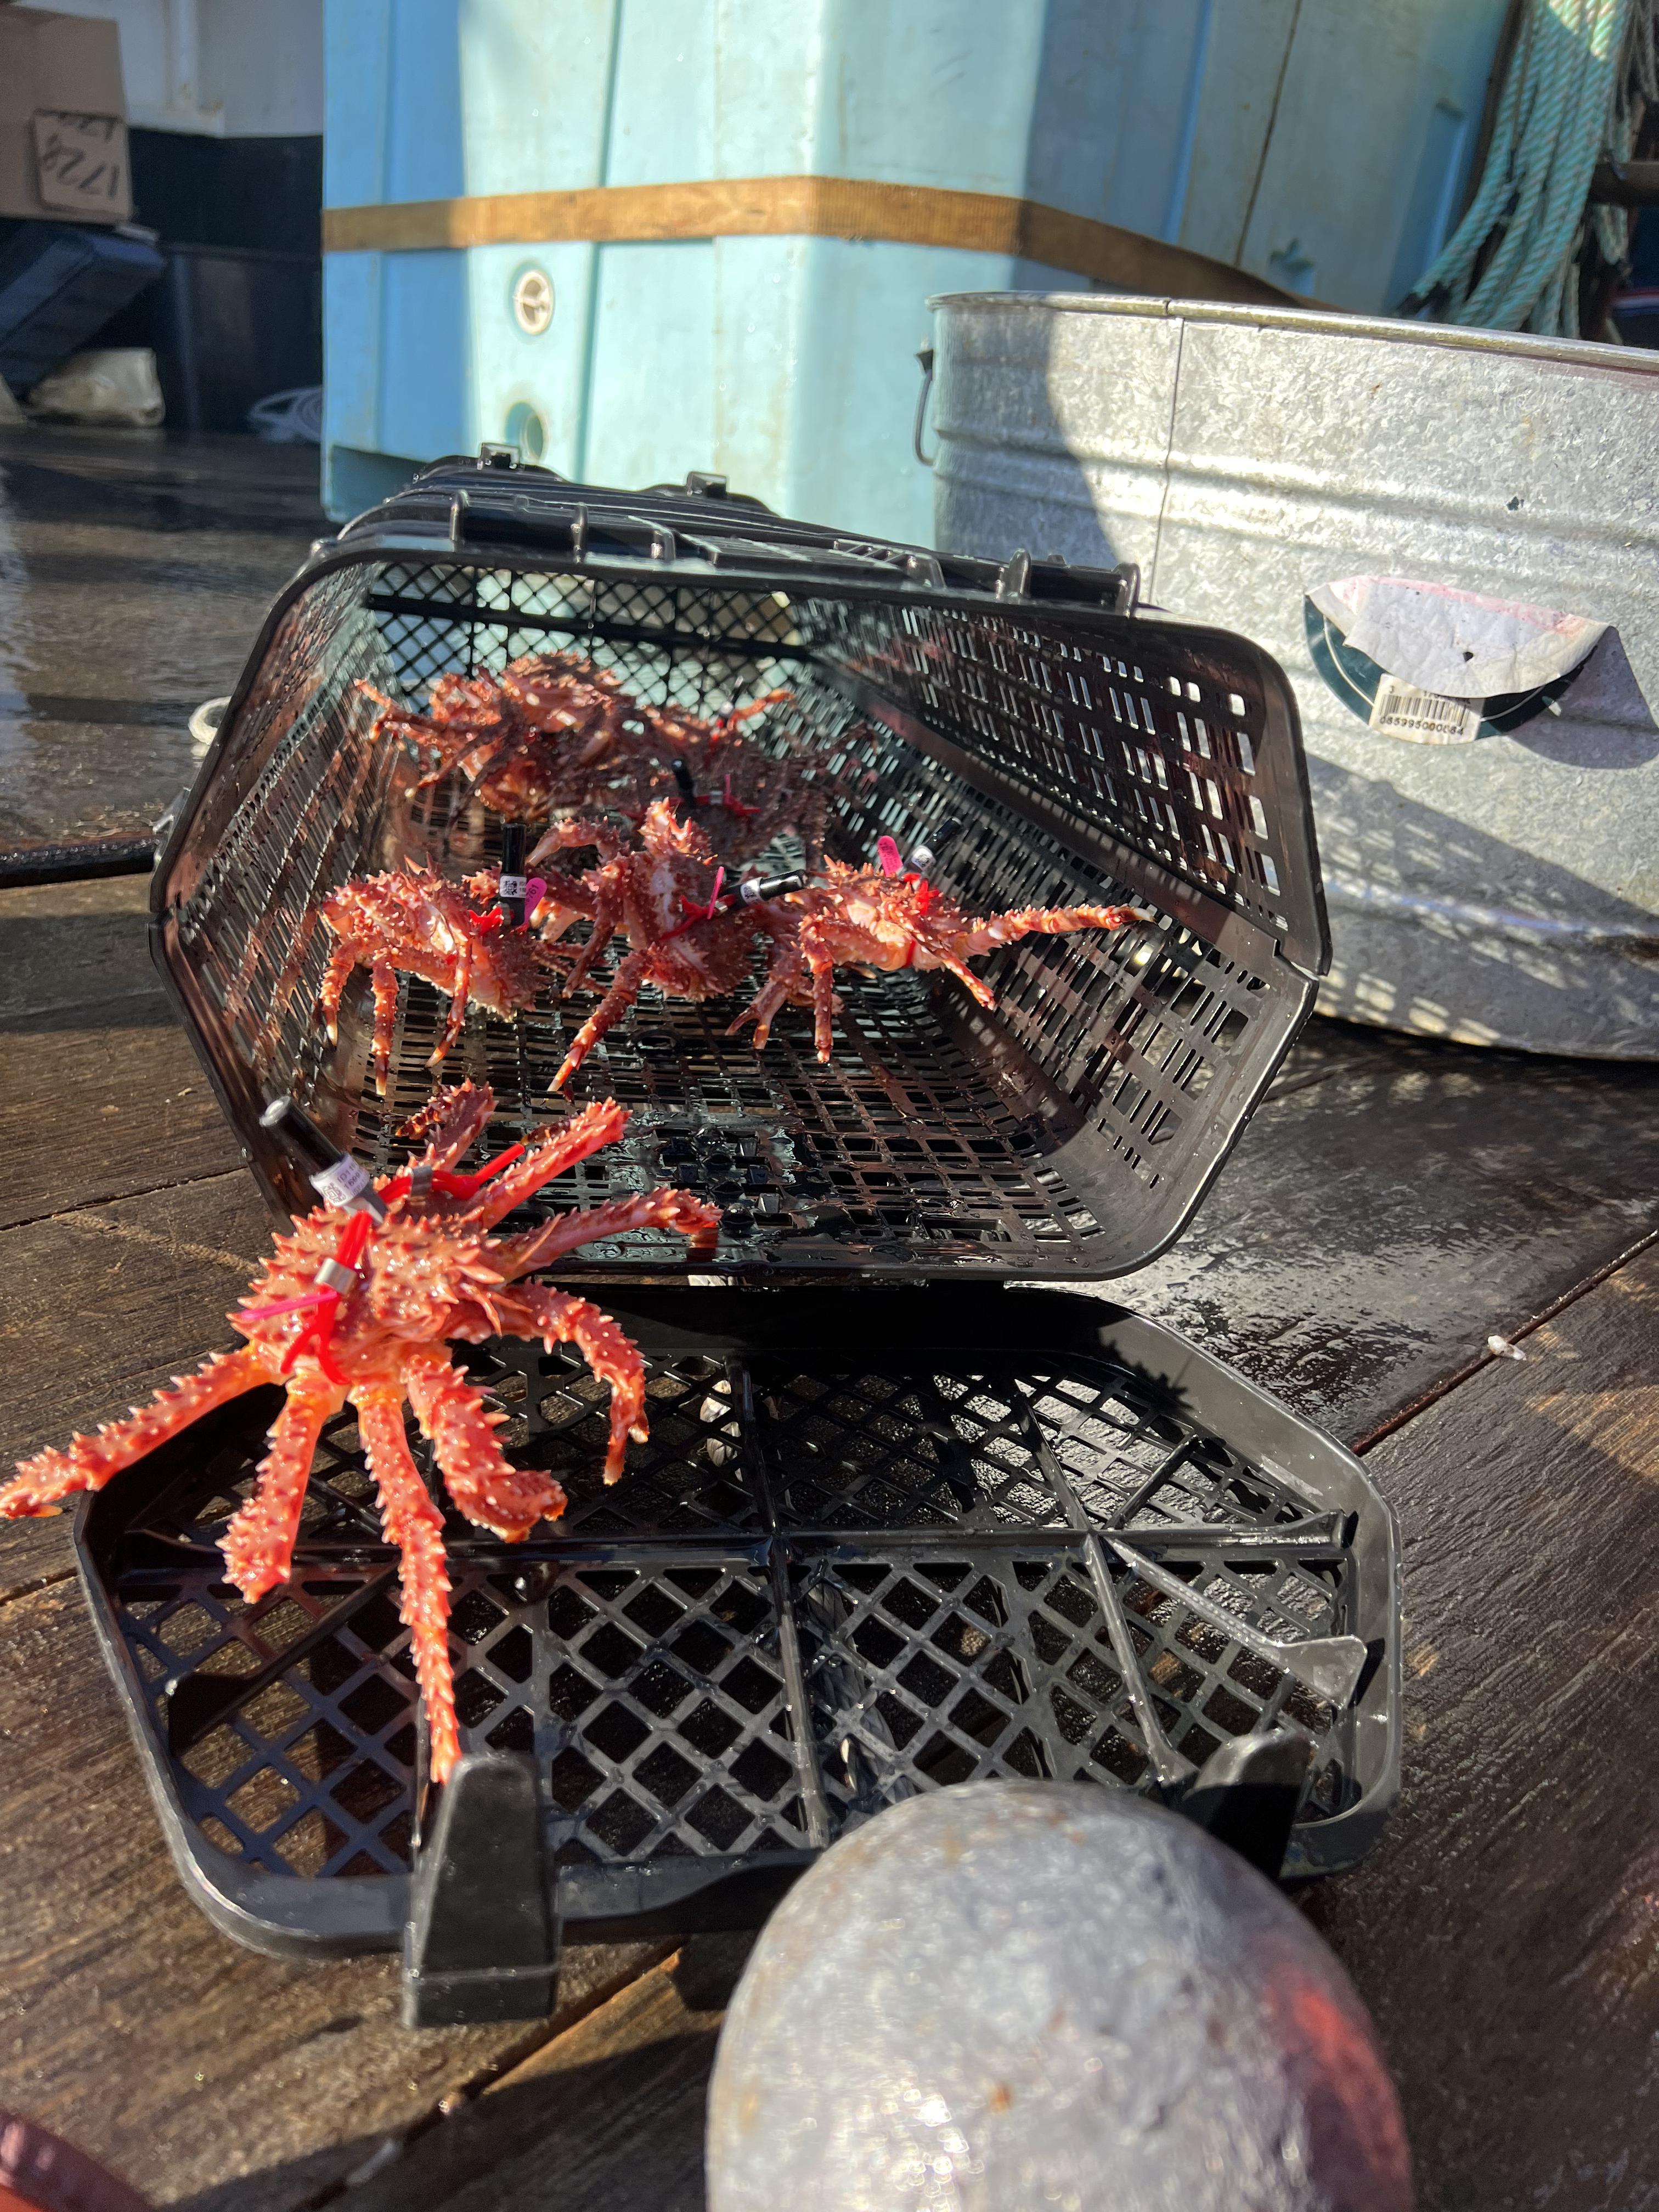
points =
(119, 385)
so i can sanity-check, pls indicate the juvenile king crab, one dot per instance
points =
(353, 1309)
(887, 917)
(667, 895)
(546, 732)
(417, 921)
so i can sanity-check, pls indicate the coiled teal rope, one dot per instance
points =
(1563, 104)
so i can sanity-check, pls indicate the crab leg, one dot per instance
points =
(989, 932)
(489, 1489)
(384, 978)
(258, 1545)
(606, 914)
(624, 989)
(663, 1208)
(42, 1483)
(336, 976)
(570, 836)
(450, 1120)
(597, 1124)
(814, 822)
(949, 961)
(783, 966)
(461, 984)
(416, 1526)
(555, 911)
(823, 969)
(533, 1309)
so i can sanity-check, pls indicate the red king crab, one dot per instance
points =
(354, 1310)
(418, 921)
(751, 796)
(547, 732)
(887, 917)
(667, 895)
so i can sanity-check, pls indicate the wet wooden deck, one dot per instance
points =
(1391, 1206)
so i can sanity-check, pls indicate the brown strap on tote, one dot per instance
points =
(810, 207)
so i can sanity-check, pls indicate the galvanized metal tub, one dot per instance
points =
(1503, 891)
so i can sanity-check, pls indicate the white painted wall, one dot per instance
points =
(232, 69)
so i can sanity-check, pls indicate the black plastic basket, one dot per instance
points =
(1043, 1538)
(881, 1539)
(1089, 754)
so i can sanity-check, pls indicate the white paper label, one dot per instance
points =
(338, 1185)
(1426, 718)
(513, 887)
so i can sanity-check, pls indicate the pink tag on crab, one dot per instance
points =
(534, 892)
(888, 854)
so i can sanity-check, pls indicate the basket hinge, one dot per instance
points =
(1014, 577)
(481, 1941)
(1248, 1793)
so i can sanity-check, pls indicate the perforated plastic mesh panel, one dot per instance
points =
(818, 1591)
(1069, 1131)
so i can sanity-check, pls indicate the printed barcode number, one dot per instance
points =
(1404, 710)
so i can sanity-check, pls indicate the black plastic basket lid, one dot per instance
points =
(1089, 751)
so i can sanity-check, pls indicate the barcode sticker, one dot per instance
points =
(1426, 718)
(513, 887)
(338, 1185)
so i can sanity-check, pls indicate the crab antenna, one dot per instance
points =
(336, 1177)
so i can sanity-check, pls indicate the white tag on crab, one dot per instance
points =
(343, 1183)
(1428, 718)
(513, 887)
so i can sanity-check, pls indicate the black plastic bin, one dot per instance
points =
(899, 1522)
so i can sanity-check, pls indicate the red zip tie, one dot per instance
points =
(450, 1182)
(737, 806)
(694, 913)
(454, 1184)
(317, 1336)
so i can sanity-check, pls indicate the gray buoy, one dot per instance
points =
(1008, 1995)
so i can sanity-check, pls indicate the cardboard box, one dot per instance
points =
(63, 119)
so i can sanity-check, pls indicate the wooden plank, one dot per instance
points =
(100, 1307)
(607, 2118)
(1395, 1202)
(1504, 1934)
(63, 944)
(101, 1101)
(186, 2063)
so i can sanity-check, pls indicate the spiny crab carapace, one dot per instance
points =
(546, 732)
(688, 934)
(886, 918)
(351, 1310)
(414, 920)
